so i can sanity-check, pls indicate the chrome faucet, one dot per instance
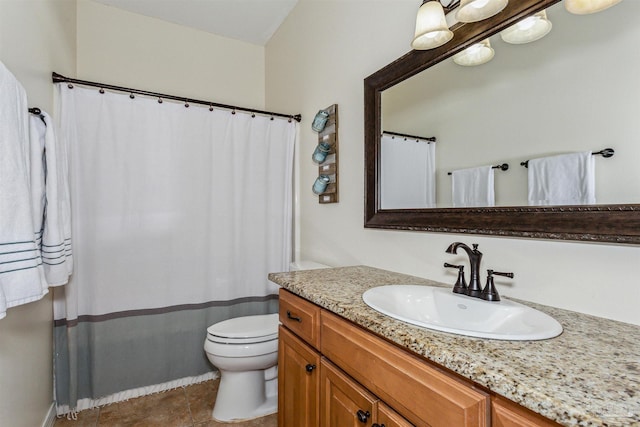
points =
(475, 256)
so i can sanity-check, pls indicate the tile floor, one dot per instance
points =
(190, 406)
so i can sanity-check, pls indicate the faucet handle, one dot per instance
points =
(490, 293)
(497, 273)
(461, 284)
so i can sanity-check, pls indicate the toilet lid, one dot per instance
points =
(245, 329)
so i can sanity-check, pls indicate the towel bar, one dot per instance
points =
(502, 167)
(606, 153)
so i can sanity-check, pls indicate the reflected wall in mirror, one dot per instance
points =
(576, 89)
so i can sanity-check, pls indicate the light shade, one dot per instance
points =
(431, 27)
(476, 54)
(530, 29)
(583, 7)
(477, 10)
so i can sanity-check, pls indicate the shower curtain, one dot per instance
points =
(407, 173)
(178, 215)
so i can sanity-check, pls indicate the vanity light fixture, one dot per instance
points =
(431, 26)
(530, 29)
(476, 54)
(584, 7)
(477, 10)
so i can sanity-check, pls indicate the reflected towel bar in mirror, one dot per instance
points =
(606, 153)
(502, 167)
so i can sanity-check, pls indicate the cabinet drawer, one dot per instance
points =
(301, 317)
(419, 392)
(505, 413)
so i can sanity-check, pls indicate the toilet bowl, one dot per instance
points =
(245, 351)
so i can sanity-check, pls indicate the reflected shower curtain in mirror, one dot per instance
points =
(179, 214)
(407, 173)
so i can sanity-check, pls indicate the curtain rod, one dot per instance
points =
(405, 136)
(59, 78)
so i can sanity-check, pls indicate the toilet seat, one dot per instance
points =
(245, 330)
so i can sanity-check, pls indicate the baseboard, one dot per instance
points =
(50, 419)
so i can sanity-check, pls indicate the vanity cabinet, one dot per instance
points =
(333, 373)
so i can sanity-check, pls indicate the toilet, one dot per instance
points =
(245, 351)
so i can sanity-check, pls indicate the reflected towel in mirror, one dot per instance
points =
(473, 187)
(566, 179)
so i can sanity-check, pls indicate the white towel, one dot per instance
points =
(567, 179)
(21, 274)
(51, 201)
(473, 187)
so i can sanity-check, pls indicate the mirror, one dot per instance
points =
(614, 219)
(479, 121)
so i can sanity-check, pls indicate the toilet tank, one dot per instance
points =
(306, 265)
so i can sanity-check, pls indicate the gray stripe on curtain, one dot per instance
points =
(117, 352)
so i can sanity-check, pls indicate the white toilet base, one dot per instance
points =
(244, 395)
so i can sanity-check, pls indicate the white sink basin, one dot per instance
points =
(440, 309)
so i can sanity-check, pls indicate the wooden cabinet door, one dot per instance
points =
(298, 382)
(505, 413)
(387, 417)
(343, 402)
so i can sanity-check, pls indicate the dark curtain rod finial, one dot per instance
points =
(606, 153)
(37, 112)
(59, 78)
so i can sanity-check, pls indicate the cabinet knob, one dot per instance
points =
(292, 317)
(377, 425)
(363, 416)
(310, 367)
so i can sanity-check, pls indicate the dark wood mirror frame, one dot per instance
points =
(597, 223)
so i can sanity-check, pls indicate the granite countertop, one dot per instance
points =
(587, 376)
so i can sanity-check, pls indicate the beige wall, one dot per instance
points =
(320, 56)
(36, 37)
(127, 49)
(94, 42)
